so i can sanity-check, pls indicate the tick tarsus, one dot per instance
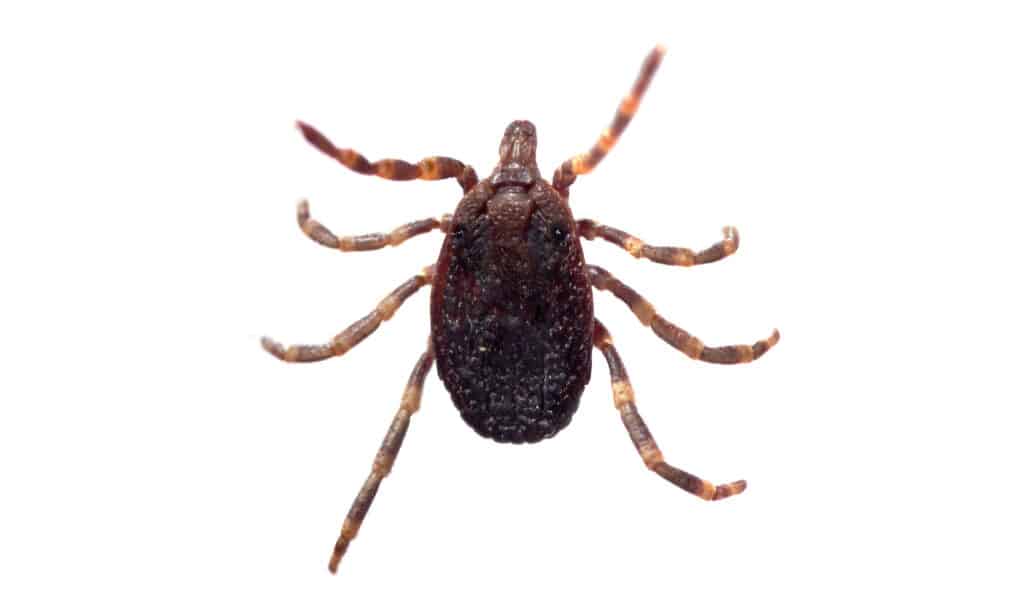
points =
(512, 325)
(356, 332)
(385, 458)
(672, 334)
(361, 243)
(678, 256)
(582, 164)
(431, 169)
(650, 453)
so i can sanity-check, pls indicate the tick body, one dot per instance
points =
(511, 307)
(512, 314)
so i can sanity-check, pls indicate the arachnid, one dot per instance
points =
(511, 306)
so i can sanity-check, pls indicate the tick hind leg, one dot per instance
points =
(582, 164)
(672, 334)
(433, 168)
(622, 393)
(354, 334)
(361, 243)
(679, 256)
(385, 458)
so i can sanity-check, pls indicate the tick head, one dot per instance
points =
(517, 164)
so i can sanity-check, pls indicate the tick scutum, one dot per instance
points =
(511, 306)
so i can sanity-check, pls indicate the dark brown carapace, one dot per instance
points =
(511, 309)
(512, 314)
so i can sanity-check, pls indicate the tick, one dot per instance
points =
(512, 323)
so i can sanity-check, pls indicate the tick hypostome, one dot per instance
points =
(512, 324)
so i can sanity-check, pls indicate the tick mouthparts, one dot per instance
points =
(518, 145)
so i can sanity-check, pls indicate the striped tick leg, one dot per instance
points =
(436, 167)
(584, 163)
(385, 458)
(680, 256)
(361, 243)
(622, 393)
(354, 334)
(672, 334)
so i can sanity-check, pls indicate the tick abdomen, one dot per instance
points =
(513, 316)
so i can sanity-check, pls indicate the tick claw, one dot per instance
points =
(273, 347)
(730, 489)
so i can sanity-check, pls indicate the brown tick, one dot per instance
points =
(511, 307)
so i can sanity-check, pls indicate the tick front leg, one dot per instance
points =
(582, 164)
(679, 256)
(361, 243)
(354, 334)
(430, 169)
(385, 458)
(625, 402)
(672, 334)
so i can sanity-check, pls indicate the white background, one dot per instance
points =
(154, 459)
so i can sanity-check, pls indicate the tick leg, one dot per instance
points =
(584, 163)
(385, 458)
(672, 334)
(361, 243)
(622, 393)
(680, 256)
(436, 167)
(354, 334)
